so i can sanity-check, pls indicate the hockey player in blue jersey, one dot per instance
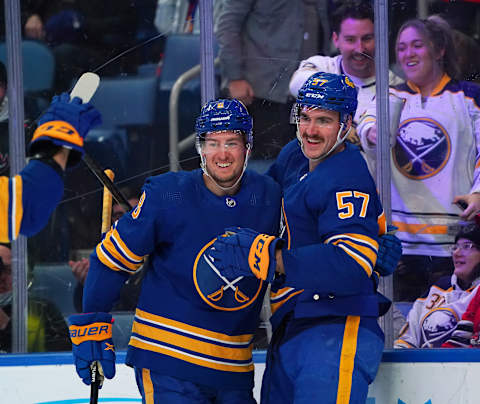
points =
(28, 198)
(327, 345)
(192, 332)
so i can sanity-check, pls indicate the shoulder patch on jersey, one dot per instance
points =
(219, 292)
(422, 149)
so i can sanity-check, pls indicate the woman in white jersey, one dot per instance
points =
(435, 154)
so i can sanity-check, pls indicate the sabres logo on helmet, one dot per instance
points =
(219, 292)
(220, 105)
(349, 82)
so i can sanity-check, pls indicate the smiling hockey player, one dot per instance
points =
(193, 328)
(327, 344)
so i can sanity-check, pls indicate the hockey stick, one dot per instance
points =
(85, 88)
(96, 368)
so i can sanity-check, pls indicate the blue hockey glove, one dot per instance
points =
(245, 252)
(91, 336)
(65, 124)
(389, 253)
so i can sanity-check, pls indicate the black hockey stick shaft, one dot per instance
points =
(96, 169)
(95, 383)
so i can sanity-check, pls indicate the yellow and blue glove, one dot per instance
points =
(65, 124)
(91, 336)
(389, 253)
(245, 252)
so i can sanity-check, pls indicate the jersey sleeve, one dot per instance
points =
(474, 112)
(346, 251)
(123, 251)
(409, 336)
(306, 68)
(28, 199)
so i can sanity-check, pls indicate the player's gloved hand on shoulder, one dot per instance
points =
(389, 253)
(65, 124)
(91, 335)
(245, 252)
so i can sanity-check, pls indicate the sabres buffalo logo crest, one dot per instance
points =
(437, 325)
(422, 149)
(218, 291)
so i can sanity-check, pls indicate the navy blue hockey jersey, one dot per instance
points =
(190, 322)
(332, 218)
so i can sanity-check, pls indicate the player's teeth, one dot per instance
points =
(223, 165)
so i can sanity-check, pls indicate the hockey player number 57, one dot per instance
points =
(346, 207)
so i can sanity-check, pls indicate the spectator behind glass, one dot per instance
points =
(4, 165)
(47, 330)
(435, 154)
(82, 34)
(131, 289)
(434, 316)
(353, 36)
(260, 43)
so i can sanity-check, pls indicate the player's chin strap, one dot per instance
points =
(203, 165)
(340, 140)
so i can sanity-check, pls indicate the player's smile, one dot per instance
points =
(318, 130)
(224, 154)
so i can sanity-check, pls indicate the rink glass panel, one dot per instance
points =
(133, 99)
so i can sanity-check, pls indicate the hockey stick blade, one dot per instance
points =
(86, 86)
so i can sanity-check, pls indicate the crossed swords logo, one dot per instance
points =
(425, 167)
(218, 294)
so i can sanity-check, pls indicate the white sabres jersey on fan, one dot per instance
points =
(433, 318)
(314, 64)
(435, 157)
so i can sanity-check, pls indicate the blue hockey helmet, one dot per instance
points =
(329, 91)
(224, 114)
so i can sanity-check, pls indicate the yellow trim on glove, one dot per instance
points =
(90, 332)
(58, 130)
(259, 257)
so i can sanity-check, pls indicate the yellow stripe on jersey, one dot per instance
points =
(362, 262)
(189, 329)
(371, 255)
(148, 387)
(358, 244)
(287, 228)
(119, 251)
(4, 198)
(12, 194)
(17, 205)
(192, 344)
(279, 298)
(347, 359)
(184, 356)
